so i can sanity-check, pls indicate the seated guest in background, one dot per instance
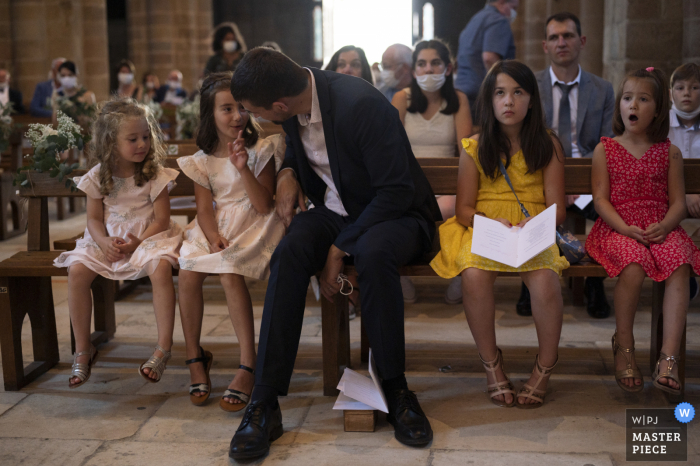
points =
(352, 61)
(348, 152)
(8, 94)
(486, 39)
(396, 69)
(172, 92)
(271, 44)
(151, 84)
(70, 88)
(126, 85)
(41, 101)
(228, 46)
(436, 118)
(579, 106)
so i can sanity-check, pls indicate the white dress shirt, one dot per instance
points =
(5, 95)
(314, 142)
(687, 139)
(573, 105)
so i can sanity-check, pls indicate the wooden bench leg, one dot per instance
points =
(577, 290)
(13, 307)
(335, 329)
(657, 333)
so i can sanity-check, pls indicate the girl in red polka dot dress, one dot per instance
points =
(639, 193)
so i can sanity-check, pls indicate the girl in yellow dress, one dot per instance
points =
(513, 131)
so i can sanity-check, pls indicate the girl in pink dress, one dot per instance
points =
(639, 192)
(129, 233)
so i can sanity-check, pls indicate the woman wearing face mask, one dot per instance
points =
(127, 86)
(352, 61)
(151, 84)
(229, 47)
(436, 118)
(68, 77)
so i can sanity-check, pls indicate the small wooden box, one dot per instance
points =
(360, 420)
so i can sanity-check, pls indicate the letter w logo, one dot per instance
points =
(684, 412)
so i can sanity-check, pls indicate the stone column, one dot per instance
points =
(691, 31)
(591, 14)
(536, 13)
(5, 36)
(95, 74)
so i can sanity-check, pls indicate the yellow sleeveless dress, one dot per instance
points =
(495, 199)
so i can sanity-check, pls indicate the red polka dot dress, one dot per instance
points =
(639, 193)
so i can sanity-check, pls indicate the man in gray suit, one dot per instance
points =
(579, 107)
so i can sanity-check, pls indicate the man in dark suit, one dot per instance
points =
(7, 94)
(579, 107)
(348, 152)
(171, 92)
(40, 105)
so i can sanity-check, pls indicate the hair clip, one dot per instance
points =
(650, 69)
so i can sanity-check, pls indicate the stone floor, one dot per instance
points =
(118, 418)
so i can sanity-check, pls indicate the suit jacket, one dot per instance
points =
(596, 102)
(377, 176)
(15, 97)
(41, 101)
(162, 90)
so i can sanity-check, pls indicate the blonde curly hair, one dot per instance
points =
(103, 146)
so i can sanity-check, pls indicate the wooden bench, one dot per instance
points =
(443, 179)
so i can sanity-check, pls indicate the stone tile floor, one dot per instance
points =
(118, 418)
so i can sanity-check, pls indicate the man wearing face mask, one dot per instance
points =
(41, 101)
(396, 69)
(486, 40)
(10, 95)
(172, 92)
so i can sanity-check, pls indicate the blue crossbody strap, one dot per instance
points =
(505, 175)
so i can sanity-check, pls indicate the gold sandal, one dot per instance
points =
(668, 374)
(533, 393)
(82, 370)
(498, 388)
(155, 364)
(629, 372)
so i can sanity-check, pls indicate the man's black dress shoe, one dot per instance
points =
(597, 304)
(411, 427)
(524, 307)
(261, 425)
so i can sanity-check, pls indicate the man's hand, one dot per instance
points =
(288, 196)
(571, 199)
(329, 275)
(692, 201)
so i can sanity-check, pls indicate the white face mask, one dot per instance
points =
(389, 79)
(513, 15)
(230, 46)
(174, 84)
(68, 82)
(686, 115)
(125, 78)
(150, 85)
(431, 82)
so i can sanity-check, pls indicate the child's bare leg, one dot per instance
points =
(480, 310)
(547, 310)
(80, 279)
(627, 291)
(240, 309)
(676, 298)
(164, 307)
(191, 314)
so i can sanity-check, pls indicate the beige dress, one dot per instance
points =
(252, 236)
(127, 209)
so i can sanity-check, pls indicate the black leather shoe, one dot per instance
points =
(411, 427)
(261, 425)
(524, 307)
(597, 304)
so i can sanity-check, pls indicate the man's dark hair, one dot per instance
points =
(562, 17)
(264, 76)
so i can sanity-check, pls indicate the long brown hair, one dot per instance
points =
(206, 136)
(535, 140)
(660, 125)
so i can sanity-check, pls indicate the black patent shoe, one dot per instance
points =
(411, 426)
(596, 302)
(524, 307)
(261, 425)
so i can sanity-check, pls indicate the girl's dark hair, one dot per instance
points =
(660, 125)
(126, 63)
(419, 102)
(70, 66)
(535, 141)
(206, 136)
(217, 43)
(366, 70)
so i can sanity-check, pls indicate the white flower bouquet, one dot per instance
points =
(187, 117)
(6, 125)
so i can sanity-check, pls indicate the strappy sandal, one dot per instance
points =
(230, 393)
(82, 370)
(629, 372)
(668, 374)
(155, 364)
(207, 359)
(533, 393)
(498, 388)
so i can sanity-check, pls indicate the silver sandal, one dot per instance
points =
(155, 364)
(82, 370)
